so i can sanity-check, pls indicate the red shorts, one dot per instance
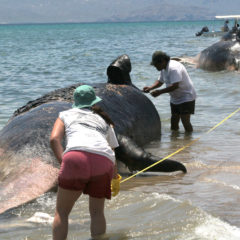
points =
(87, 172)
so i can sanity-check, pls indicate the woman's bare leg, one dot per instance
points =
(65, 203)
(98, 222)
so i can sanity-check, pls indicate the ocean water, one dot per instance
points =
(201, 205)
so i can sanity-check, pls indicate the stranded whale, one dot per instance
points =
(222, 55)
(28, 167)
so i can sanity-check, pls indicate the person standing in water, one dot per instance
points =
(88, 162)
(178, 85)
(225, 27)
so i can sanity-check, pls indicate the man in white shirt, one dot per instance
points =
(178, 85)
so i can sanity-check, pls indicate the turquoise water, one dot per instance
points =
(203, 204)
(36, 58)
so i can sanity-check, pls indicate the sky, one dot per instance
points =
(40, 11)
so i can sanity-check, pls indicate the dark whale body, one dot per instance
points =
(28, 167)
(223, 55)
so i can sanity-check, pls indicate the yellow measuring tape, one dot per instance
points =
(180, 149)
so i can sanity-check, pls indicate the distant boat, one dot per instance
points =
(228, 17)
(213, 34)
(220, 33)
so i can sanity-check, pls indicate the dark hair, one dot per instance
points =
(159, 56)
(96, 109)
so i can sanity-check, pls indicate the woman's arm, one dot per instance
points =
(115, 171)
(56, 139)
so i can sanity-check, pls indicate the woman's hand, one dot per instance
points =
(115, 185)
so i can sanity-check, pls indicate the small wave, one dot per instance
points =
(130, 215)
(213, 228)
(161, 217)
(233, 186)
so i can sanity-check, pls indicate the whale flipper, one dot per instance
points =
(136, 158)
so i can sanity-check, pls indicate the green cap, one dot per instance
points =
(84, 96)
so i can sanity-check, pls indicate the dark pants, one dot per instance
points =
(183, 108)
(182, 111)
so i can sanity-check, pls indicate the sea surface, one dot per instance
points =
(201, 205)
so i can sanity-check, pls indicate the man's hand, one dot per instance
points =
(146, 89)
(155, 93)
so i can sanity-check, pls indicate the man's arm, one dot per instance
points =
(155, 85)
(171, 88)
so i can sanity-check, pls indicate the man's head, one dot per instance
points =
(160, 60)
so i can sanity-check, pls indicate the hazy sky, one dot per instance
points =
(18, 11)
